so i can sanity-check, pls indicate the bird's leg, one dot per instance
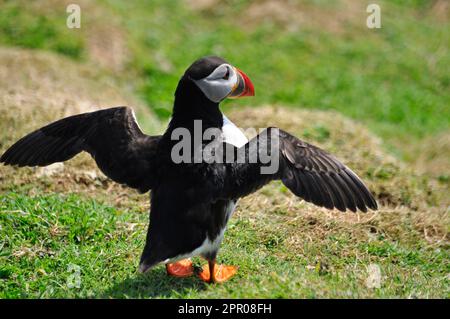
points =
(217, 273)
(182, 268)
(212, 273)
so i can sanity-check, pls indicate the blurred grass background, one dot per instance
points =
(308, 54)
(303, 57)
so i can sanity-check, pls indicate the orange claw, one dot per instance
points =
(182, 268)
(221, 273)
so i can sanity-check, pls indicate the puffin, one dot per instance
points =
(194, 196)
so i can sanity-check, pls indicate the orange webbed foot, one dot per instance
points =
(221, 273)
(182, 268)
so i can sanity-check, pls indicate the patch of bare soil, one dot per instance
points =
(106, 45)
(295, 15)
(202, 4)
(440, 10)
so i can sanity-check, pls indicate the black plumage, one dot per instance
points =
(111, 136)
(308, 171)
(191, 202)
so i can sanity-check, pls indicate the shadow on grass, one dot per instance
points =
(153, 284)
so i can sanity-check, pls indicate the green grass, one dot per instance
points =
(21, 26)
(54, 232)
(45, 237)
(395, 79)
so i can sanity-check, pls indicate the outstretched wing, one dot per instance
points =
(111, 136)
(308, 171)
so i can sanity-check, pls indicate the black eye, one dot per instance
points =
(227, 75)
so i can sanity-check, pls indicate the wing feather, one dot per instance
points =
(308, 171)
(112, 137)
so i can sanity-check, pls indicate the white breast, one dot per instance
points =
(232, 134)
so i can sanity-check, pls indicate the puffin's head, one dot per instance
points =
(218, 79)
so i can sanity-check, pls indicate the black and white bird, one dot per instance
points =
(192, 201)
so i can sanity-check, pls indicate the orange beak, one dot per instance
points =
(244, 87)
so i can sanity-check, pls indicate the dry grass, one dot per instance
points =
(440, 10)
(432, 155)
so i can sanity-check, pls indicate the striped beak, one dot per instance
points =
(243, 87)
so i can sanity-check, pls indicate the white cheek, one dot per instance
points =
(217, 89)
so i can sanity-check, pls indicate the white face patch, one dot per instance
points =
(219, 84)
